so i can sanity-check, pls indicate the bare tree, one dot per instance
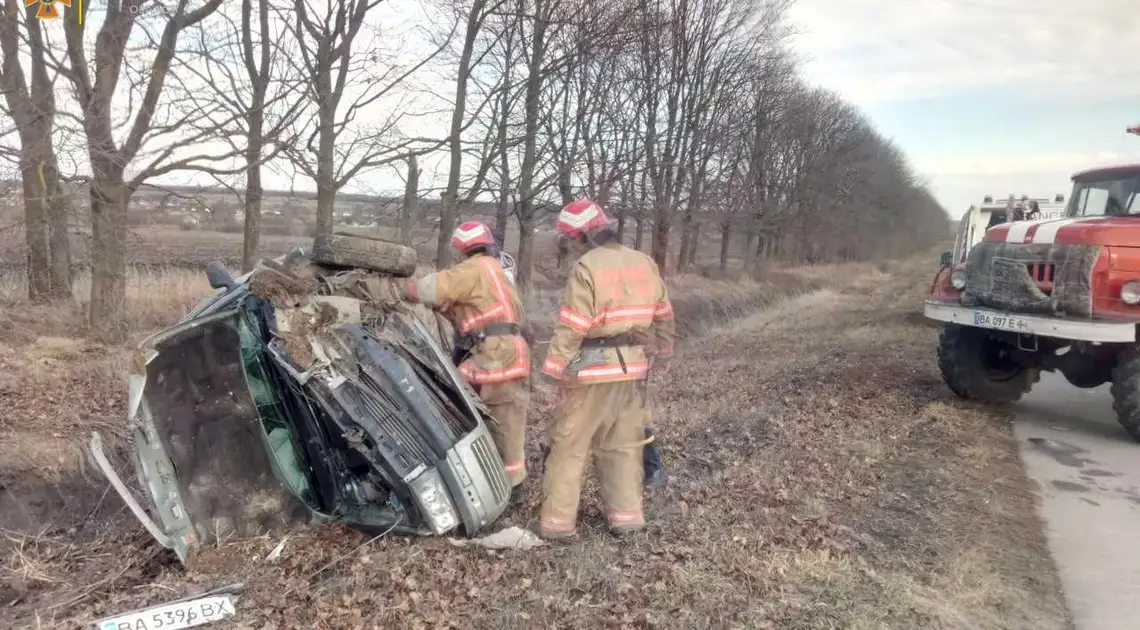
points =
(247, 72)
(110, 189)
(476, 16)
(33, 110)
(345, 77)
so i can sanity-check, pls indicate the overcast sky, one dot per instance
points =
(985, 96)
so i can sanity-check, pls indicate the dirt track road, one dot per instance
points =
(1089, 473)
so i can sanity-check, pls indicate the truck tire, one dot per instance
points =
(975, 367)
(342, 250)
(1126, 390)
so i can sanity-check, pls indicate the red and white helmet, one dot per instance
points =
(470, 235)
(581, 217)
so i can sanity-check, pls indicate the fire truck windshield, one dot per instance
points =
(1114, 197)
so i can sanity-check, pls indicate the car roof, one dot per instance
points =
(1101, 173)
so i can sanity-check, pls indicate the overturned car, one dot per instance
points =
(294, 395)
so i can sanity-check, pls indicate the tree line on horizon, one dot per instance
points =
(684, 118)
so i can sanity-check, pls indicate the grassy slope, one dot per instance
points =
(822, 477)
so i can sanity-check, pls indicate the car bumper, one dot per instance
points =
(1058, 327)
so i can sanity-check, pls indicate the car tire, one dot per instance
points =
(1126, 390)
(354, 250)
(966, 358)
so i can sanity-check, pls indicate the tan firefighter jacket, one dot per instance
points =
(612, 291)
(479, 295)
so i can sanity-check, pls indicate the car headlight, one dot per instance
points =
(958, 279)
(1130, 293)
(434, 501)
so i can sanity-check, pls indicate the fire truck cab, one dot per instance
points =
(1051, 293)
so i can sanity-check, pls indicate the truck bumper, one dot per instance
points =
(1058, 327)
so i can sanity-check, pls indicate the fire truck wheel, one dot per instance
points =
(1126, 390)
(980, 368)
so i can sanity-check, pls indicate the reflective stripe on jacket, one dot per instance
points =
(612, 290)
(480, 294)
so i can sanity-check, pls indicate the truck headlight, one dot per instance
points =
(958, 279)
(434, 501)
(1130, 293)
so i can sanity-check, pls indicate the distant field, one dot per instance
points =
(170, 246)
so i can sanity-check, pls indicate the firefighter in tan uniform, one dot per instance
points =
(615, 323)
(492, 354)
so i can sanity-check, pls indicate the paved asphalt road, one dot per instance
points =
(1088, 471)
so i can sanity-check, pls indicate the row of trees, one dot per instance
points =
(683, 117)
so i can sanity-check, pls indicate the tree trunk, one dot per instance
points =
(565, 187)
(253, 190)
(686, 239)
(409, 211)
(36, 236)
(503, 211)
(659, 248)
(529, 161)
(58, 216)
(107, 312)
(526, 248)
(326, 173)
(454, 142)
(750, 250)
(725, 244)
(691, 246)
(621, 214)
(447, 214)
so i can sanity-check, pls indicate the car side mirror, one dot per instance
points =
(219, 276)
(947, 259)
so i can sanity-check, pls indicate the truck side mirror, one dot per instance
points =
(947, 259)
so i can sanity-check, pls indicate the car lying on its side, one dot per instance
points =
(275, 403)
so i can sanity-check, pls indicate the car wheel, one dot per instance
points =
(353, 250)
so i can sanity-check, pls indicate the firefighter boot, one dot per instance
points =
(651, 460)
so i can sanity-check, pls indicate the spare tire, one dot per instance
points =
(344, 250)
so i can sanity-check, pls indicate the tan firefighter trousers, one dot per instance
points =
(508, 401)
(608, 419)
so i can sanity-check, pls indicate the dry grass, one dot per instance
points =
(156, 297)
(821, 477)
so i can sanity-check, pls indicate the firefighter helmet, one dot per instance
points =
(470, 235)
(581, 217)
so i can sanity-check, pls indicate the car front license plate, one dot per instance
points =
(1011, 323)
(187, 614)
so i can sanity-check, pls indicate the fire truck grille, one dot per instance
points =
(1042, 275)
(1027, 278)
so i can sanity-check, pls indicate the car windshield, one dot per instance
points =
(1113, 197)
